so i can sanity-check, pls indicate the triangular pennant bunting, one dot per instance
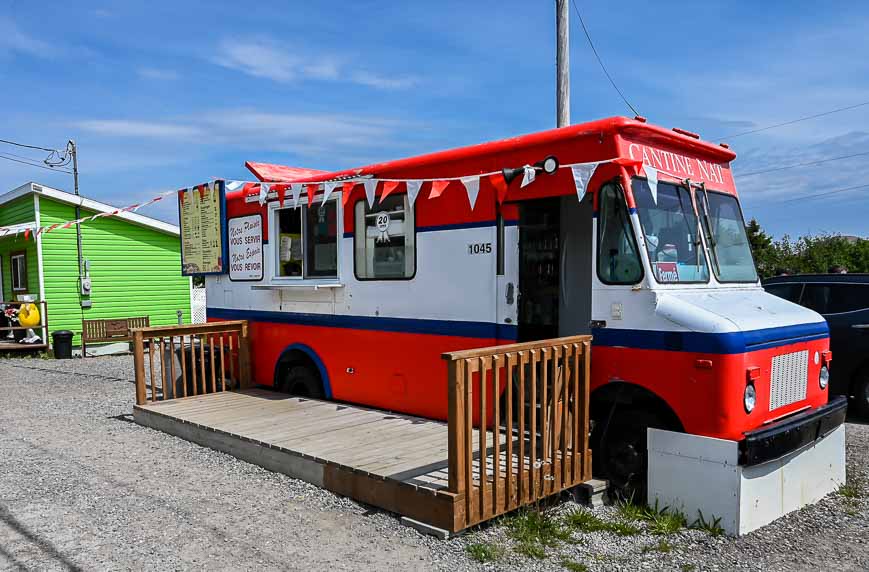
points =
(500, 185)
(582, 174)
(312, 192)
(327, 190)
(438, 188)
(263, 193)
(472, 186)
(233, 185)
(296, 189)
(370, 189)
(652, 176)
(346, 191)
(528, 176)
(412, 192)
(281, 190)
(388, 187)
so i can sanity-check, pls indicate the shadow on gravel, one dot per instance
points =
(125, 417)
(47, 547)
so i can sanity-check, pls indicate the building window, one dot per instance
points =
(307, 245)
(19, 271)
(385, 240)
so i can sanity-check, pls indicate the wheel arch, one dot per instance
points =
(627, 393)
(302, 353)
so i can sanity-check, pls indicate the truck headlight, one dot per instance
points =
(824, 377)
(749, 398)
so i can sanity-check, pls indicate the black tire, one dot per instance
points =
(303, 381)
(861, 394)
(621, 452)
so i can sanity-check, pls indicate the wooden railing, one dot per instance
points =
(529, 403)
(211, 357)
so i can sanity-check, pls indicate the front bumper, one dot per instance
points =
(788, 435)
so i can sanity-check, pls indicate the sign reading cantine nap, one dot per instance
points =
(199, 215)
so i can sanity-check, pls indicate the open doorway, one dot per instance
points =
(539, 266)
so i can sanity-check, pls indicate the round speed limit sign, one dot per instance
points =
(382, 222)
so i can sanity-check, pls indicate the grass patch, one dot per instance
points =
(661, 520)
(853, 489)
(573, 565)
(711, 526)
(485, 551)
(689, 567)
(663, 546)
(583, 520)
(537, 527)
(531, 549)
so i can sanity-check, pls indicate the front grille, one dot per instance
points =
(788, 380)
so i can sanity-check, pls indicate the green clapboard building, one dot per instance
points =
(133, 261)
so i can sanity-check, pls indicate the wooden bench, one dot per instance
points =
(113, 330)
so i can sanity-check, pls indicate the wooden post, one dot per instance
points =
(139, 364)
(455, 427)
(584, 414)
(244, 365)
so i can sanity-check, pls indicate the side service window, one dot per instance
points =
(307, 241)
(618, 260)
(385, 240)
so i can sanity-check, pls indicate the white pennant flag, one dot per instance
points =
(296, 189)
(412, 191)
(370, 188)
(472, 185)
(263, 193)
(327, 190)
(582, 174)
(652, 176)
(233, 185)
(529, 176)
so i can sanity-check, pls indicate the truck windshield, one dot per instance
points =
(670, 228)
(725, 235)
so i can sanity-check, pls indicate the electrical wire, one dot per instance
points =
(599, 60)
(46, 149)
(791, 122)
(55, 169)
(807, 164)
(825, 194)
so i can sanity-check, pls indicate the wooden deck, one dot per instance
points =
(483, 462)
(393, 461)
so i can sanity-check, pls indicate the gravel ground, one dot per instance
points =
(84, 488)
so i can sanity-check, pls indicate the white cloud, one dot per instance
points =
(129, 128)
(14, 41)
(157, 74)
(268, 60)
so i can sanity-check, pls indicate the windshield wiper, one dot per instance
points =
(707, 224)
(698, 243)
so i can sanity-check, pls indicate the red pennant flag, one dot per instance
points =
(26, 233)
(202, 190)
(500, 185)
(346, 191)
(281, 190)
(388, 187)
(312, 191)
(438, 188)
(250, 188)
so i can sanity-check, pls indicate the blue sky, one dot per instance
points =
(161, 95)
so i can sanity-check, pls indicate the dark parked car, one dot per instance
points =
(843, 299)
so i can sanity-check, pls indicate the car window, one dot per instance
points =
(789, 291)
(848, 298)
(816, 297)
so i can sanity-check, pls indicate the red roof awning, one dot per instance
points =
(280, 173)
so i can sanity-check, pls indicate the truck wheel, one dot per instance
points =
(861, 394)
(301, 380)
(622, 453)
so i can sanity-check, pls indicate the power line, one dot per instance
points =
(791, 122)
(807, 164)
(46, 149)
(600, 61)
(819, 195)
(2, 156)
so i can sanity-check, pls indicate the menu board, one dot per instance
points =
(201, 217)
(246, 247)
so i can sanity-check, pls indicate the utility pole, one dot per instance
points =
(562, 62)
(73, 151)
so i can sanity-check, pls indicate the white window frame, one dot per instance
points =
(14, 274)
(274, 241)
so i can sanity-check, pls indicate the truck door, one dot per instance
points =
(507, 275)
(539, 269)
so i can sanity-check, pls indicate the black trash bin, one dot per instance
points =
(62, 344)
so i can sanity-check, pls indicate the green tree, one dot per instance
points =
(762, 248)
